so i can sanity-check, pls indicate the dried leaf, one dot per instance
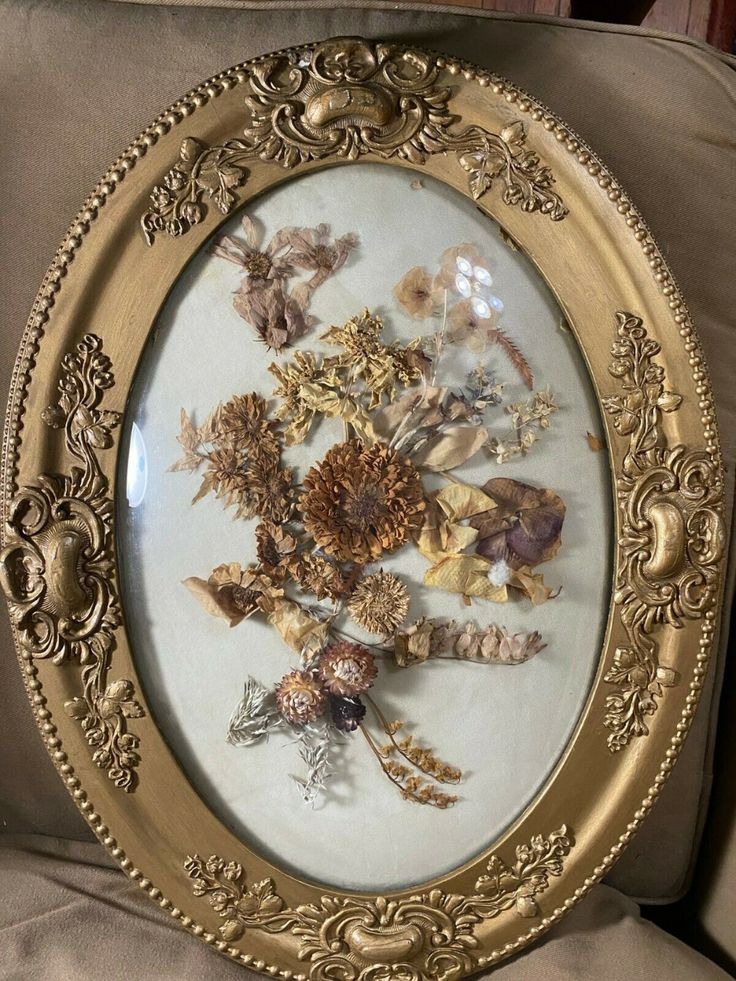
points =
(532, 585)
(467, 575)
(295, 625)
(211, 600)
(451, 448)
(441, 534)
(594, 442)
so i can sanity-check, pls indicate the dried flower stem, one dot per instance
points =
(422, 759)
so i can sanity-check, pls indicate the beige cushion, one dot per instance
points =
(73, 916)
(80, 79)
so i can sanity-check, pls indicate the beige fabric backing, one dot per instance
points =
(79, 79)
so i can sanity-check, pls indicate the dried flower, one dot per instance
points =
(275, 548)
(347, 713)
(257, 263)
(302, 384)
(379, 603)
(320, 576)
(380, 366)
(524, 528)
(361, 501)
(414, 645)
(235, 593)
(312, 249)
(244, 425)
(300, 697)
(277, 317)
(347, 669)
(470, 259)
(270, 488)
(416, 293)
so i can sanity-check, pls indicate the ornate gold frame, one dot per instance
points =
(240, 133)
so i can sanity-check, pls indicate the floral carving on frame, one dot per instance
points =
(348, 98)
(57, 566)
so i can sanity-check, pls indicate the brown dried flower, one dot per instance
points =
(347, 669)
(243, 423)
(258, 262)
(302, 384)
(271, 489)
(312, 249)
(416, 294)
(445, 278)
(275, 548)
(301, 697)
(360, 501)
(234, 593)
(379, 603)
(278, 317)
(320, 576)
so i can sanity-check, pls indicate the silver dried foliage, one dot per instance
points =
(254, 716)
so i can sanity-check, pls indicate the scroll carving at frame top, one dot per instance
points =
(348, 99)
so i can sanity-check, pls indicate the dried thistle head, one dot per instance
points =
(347, 669)
(361, 501)
(379, 603)
(301, 697)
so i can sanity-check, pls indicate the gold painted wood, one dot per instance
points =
(339, 103)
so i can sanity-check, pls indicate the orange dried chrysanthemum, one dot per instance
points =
(361, 501)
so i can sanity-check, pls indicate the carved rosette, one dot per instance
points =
(348, 98)
(430, 935)
(57, 565)
(672, 533)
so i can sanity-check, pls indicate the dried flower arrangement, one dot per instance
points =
(318, 540)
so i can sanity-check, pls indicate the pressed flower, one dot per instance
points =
(525, 526)
(347, 713)
(300, 697)
(275, 548)
(228, 476)
(320, 576)
(465, 326)
(234, 593)
(416, 293)
(415, 644)
(359, 502)
(460, 260)
(379, 603)
(347, 669)
(313, 249)
(258, 262)
(271, 489)
(277, 317)
(380, 366)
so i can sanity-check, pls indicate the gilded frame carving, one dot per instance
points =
(240, 133)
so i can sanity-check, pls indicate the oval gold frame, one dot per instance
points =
(237, 135)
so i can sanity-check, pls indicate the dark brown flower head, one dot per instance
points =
(347, 669)
(360, 501)
(379, 603)
(275, 548)
(347, 713)
(320, 576)
(244, 424)
(301, 697)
